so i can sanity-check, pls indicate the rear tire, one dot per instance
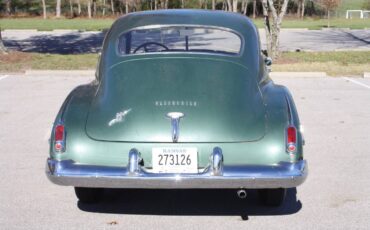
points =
(272, 197)
(89, 195)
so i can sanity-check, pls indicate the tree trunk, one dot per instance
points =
(254, 8)
(8, 7)
(245, 7)
(103, 10)
(3, 49)
(299, 9)
(70, 8)
(112, 6)
(89, 8)
(328, 18)
(302, 9)
(182, 4)
(235, 6)
(126, 6)
(166, 4)
(155, 4)
(273, 29)
(213, 4)
(57, 9)
(94, 7)
(44, 9)
(229, 5)
(78, 8)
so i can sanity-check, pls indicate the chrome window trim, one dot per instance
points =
(239, 54)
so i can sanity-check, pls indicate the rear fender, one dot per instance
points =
(281, 112)
(72, 114)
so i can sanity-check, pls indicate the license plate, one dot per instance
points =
(175, 160)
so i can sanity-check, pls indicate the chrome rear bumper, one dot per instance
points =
(216, 176)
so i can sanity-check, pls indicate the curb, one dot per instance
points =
(60, 73)
(24, 31)
(299, 74)
(65, 31)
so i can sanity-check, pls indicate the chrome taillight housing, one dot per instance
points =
(59, 138)
(291, 139)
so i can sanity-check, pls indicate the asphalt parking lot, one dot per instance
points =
(336, 116)
(74, 42)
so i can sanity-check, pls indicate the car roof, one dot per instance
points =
(243, 26)
(233, 21)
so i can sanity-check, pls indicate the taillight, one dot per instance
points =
(59, 138)
(291, 139)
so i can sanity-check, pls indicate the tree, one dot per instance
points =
(103, 9)
(70, 8)
(43, 9)
(273, 29)
(300, 8)
(3, 49)
(8, 7)
(58, 8)
(245, 6)
(232, 5)
(366, 5)
(112, 6)
(126, 6)
(254, 8)
(89, 8)
(329, 5)
(78, 7)
(94, 7)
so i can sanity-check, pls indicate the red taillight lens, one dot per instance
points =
(59, 138)
(291, 135)
(291, 139)
(59, 133)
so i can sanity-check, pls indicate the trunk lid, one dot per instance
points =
(220, 100)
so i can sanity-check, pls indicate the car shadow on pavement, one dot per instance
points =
(71, 43)
(192, 202)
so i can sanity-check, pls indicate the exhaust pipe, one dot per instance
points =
(242, 194)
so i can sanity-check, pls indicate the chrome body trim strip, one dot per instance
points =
(281, 175)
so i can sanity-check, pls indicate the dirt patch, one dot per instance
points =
(15, 57)
(15, 61)
(286, 60)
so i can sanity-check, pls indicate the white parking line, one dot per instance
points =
(357, 82)
(3, 77)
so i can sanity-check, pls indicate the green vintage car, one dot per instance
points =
(182, 100)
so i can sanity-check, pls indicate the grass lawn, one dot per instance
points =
(316, 24)
(345, 63)
(19, 61)
(100, 24)
(51, 24)
(333, 63)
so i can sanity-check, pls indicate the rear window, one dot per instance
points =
(179, 39)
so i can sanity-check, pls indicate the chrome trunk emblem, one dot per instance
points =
(175, 120)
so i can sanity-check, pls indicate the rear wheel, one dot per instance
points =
(272, 197)
(89, 195)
